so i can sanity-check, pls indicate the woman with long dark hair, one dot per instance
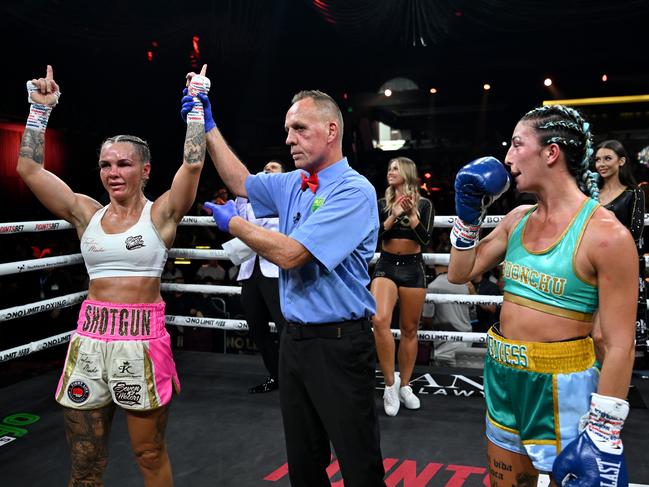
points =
(618, 190)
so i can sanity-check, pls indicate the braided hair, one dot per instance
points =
(564, 126)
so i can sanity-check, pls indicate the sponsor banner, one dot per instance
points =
(407, 472)
(45, 226)
(23, 350)
(202, 221)
(42, 306)
(41, 226)
(422, 474)
(454, 385)
(39, 264)
(11, 228)
(448, 221)
(15, 353)
(446, 336)
(6, 439)
(12, 427)
(214, 323)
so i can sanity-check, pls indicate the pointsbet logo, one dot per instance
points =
(13, 426)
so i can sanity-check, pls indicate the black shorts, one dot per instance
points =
(404, 270)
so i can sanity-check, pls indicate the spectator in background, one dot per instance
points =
(211, 269)
(171, 272)
(618, 189)
(221, 196)
(260, 294)
(487, 315)
(446, 317)
(620, 194)
(406, 223)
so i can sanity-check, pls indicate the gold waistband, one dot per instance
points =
(544, 358)
(548, 308)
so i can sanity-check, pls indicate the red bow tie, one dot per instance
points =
(311, 182)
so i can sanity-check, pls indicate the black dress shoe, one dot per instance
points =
(268, 385)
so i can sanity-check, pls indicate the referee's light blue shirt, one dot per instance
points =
(338, 225)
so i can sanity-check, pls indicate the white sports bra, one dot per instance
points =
(139, 251)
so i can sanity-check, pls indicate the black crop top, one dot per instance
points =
(629, 209)
(422, 233)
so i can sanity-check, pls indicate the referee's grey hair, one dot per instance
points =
(324, 102)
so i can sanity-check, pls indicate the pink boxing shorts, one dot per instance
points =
(119, 353)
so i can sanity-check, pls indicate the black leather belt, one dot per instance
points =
(300, 331)
(401, 259)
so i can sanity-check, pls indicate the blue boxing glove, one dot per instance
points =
(596, 457)
(222, 214)
(477, 186)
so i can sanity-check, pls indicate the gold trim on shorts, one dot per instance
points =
(541, 357)
(547, 308)
(150, 379)
(70, 365)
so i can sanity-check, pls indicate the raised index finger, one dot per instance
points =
(203, 70)
(50, 73)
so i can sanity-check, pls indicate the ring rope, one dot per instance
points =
(42, 306)
(36, 346)
(490, 221)
(197, 221)
(68, 300)
(17, 267)
(229, 325)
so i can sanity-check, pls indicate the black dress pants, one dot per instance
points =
(327, 394)
(260, 299)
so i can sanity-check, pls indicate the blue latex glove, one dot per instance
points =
(187, 103)
(207, 111)
(222, 214)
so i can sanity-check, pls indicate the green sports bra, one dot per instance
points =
(546, 280)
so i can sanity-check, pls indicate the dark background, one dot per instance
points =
(259, 53)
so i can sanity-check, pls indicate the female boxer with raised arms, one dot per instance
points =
(120, 354)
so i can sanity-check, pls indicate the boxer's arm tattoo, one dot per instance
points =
(195, 143)
(32, 145)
